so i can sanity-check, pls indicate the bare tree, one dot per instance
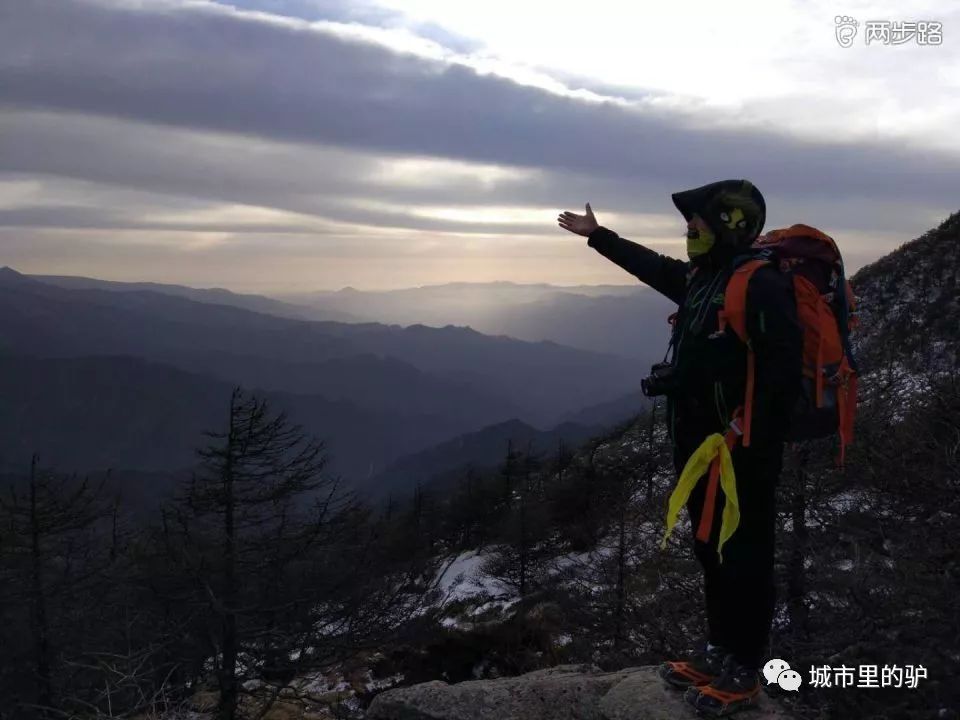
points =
(281, 570)
(55, 545)
(524, 524)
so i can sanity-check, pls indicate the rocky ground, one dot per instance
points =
(565, 692)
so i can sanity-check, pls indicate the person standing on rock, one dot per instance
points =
(706, 383)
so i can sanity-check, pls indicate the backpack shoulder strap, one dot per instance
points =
(734, 314)
(734, 311)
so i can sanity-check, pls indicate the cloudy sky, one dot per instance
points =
(271, 145)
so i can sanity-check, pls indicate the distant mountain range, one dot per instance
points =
(620, 319)
(627, 320)
(215, 296)
(451, 370)
(126, 376)
(94, 413)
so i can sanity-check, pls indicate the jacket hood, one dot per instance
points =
(735, 210)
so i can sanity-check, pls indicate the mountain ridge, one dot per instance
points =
(213, 295)
(442, 464)
(154, 415)
(540, 381)
(909, 301)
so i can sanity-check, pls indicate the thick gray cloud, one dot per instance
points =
(203, 67)
(328, 182)
(164, 107)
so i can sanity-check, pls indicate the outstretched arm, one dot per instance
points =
(664, 274)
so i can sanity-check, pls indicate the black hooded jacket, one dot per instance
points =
(711, 367)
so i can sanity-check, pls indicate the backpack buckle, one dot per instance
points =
(735, 426)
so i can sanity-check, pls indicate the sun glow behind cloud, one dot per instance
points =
(488, 214)
(435, 172)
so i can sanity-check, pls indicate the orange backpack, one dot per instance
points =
(825, 309)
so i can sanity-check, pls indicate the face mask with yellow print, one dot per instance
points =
(699, 237)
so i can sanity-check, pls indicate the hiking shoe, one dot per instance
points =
(736, 688)
(702, 668)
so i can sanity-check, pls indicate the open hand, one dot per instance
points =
(579, 224)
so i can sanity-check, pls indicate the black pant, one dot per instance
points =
(740, 592)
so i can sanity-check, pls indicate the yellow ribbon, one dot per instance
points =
(696, 467)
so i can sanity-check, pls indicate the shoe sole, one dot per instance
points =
(674, 685)
(725, 710)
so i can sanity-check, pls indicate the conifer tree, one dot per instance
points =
(55, 543)
(243, 535)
